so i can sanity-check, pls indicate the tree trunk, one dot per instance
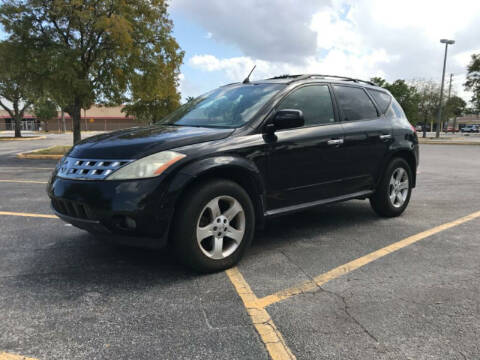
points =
(18, 119)
(18, 125)
(76, 116)
(64, 128)
(424, 129)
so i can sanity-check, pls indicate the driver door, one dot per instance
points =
(305, 164)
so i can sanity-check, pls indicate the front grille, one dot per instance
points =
(85, 169)
(72, 209)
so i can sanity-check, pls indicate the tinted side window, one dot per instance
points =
(381, 98)
(355, 103)
(315, 103)
(397, 109)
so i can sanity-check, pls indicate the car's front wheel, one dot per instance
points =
(214, 225)
(393, 193)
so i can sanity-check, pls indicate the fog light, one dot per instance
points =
(130, 223)
(124, 222)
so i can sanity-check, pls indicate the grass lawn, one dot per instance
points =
(53, 150)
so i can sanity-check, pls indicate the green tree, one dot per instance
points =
(405, 94)
(473, 81)
(189, 98)
(15, 83)
(455, 107)
(45, 110)
(98, 51)
(429, 97)
(379, 81)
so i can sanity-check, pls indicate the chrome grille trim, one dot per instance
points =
(89, 169)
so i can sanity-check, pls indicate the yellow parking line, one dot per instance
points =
(10, 213)
(355, 264)
(6, 356)
(23, 181)
(271, 337)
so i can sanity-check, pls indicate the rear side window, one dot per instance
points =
(315, 103)
(355, 103)
(381, 98)
(397, 109)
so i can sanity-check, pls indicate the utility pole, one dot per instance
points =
(450, 87)
(449, 92)
(439, 119)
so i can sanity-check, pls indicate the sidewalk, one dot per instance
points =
(451, 139)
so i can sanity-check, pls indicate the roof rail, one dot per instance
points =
(346, 78)
(309, 76)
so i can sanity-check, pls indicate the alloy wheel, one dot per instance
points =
(398, 187)
(220, 227)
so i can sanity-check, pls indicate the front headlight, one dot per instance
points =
(149, 166)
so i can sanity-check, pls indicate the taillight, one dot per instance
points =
(413, 128)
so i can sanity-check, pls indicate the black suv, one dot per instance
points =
(204, 177)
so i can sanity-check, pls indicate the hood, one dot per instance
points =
(135, 143)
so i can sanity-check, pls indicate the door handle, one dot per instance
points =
(335, 142)
(385, 137)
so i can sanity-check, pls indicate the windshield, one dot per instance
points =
(226, 107)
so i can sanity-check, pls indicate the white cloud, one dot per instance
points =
(359, 38)
(265, 29)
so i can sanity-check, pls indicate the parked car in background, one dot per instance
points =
(470, 129)
(449, 129)
(204, 177)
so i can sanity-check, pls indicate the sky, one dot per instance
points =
(224, 39)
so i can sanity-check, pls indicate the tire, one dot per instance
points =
(391, 199)
(206, 238)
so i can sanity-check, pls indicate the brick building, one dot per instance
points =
(96, 118)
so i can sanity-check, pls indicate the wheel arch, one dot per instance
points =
(239, 170)
(409, 157)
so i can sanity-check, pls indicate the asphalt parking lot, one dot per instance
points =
(64, 295)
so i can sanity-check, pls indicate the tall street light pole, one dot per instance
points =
(439, 120)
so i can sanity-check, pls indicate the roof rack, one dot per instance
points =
(310, 76)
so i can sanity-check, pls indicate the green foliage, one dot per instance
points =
(429, 98)
(98, 51)
(473, 81)
(405, 94)
(148, 112)
(45, 109)
(16, 82)
(455, 106)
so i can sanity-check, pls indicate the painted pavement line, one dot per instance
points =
(357, 263)
(269, 334)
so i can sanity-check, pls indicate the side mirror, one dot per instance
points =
(286, 119)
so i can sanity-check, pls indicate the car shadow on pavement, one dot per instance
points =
(81, 259)
(310, 223)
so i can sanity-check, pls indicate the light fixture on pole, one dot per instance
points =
(439, 120)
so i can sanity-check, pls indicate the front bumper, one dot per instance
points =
(129, 212)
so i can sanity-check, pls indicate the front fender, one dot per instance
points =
(238, 169)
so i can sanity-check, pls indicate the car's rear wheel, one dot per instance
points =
(214, 225)
(393, 193)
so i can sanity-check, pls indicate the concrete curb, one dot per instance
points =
(39, 157)
(448, 142)
(27, 138)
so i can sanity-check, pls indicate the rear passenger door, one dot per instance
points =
(305, 164)
(367, 133)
